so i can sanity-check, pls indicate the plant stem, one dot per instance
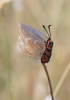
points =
(7, 51)
(51, 92)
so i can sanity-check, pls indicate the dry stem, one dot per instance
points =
(51, 92)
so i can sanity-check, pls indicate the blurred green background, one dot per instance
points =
(22, 78)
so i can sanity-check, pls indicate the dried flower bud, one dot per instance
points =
(31, 41)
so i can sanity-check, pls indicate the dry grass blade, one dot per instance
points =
(62, 79)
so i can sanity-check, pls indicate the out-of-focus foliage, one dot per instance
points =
(3, 3)
(22, 78)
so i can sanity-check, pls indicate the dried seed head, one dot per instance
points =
(31, 41)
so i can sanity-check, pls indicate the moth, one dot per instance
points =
(34, 43)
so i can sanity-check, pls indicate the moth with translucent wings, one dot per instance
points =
(34, 43)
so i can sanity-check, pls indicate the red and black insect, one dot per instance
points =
(48, 47)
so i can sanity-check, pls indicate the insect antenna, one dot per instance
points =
(46, 30)
(49, 30)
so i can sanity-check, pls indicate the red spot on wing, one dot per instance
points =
(44, 59)
(47, 53)
(48, 46)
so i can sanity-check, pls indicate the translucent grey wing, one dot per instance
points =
(33, 33)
